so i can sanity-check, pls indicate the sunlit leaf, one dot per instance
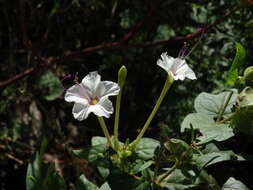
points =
(236, 65)
(233, 184)
(208, 128)
(211, 104)
(84, 184)
(146, 147)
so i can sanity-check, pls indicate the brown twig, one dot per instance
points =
(118, 44)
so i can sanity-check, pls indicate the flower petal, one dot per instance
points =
(184, 71)
(102, 108)
(80, 111)
(107, 88)
(91, 82)
(106, 105)
(166, 62)
(76, 94)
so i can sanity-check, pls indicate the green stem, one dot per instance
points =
(168, 172)
(166, 87)
(224, 107)
(227, 119)
(105, 130)
(116, 122)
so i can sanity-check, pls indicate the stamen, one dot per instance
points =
(202, 30)
(182, 51)
(64, 78)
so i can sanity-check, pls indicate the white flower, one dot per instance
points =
(91, 95)
(177, 67)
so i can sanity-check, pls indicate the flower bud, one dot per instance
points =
(122, 76)
(248, 75)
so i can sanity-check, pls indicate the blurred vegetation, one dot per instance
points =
(43, 41)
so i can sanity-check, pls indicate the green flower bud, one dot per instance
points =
(122, 76)
(248, 75)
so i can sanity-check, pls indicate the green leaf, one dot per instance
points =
(33, 174)
(105, 186)
(104, 171)
(91, 154)
(50, 86)
(215, 157)
(236, 65)
(243, 120)
(121, 180)
(211, 104)
(146, 147)
(84, 184)
(208, 128)
(98, 141)
(233, 184)
(56, 181)
(210, 147)
(177, 181)
(139, 165)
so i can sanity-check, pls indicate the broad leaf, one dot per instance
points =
(211, 104)
(215, 157)
(146, 147)
(233, 184)
(236, 65)
(208, 128)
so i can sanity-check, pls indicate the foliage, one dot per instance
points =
(42, 42)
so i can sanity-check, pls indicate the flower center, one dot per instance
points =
(94, 101)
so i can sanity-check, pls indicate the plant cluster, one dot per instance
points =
(146, 163)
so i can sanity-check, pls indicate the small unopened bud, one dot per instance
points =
(248, 75)
(122, 74)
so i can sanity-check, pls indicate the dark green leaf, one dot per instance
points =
(91, 154)
(33, 174)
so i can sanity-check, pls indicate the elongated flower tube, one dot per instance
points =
(176, 67)
(91, 95)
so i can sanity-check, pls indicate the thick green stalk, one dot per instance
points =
(121, 81)
(175, 166)
(166, 87)
(105, 130)
(224, 106)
